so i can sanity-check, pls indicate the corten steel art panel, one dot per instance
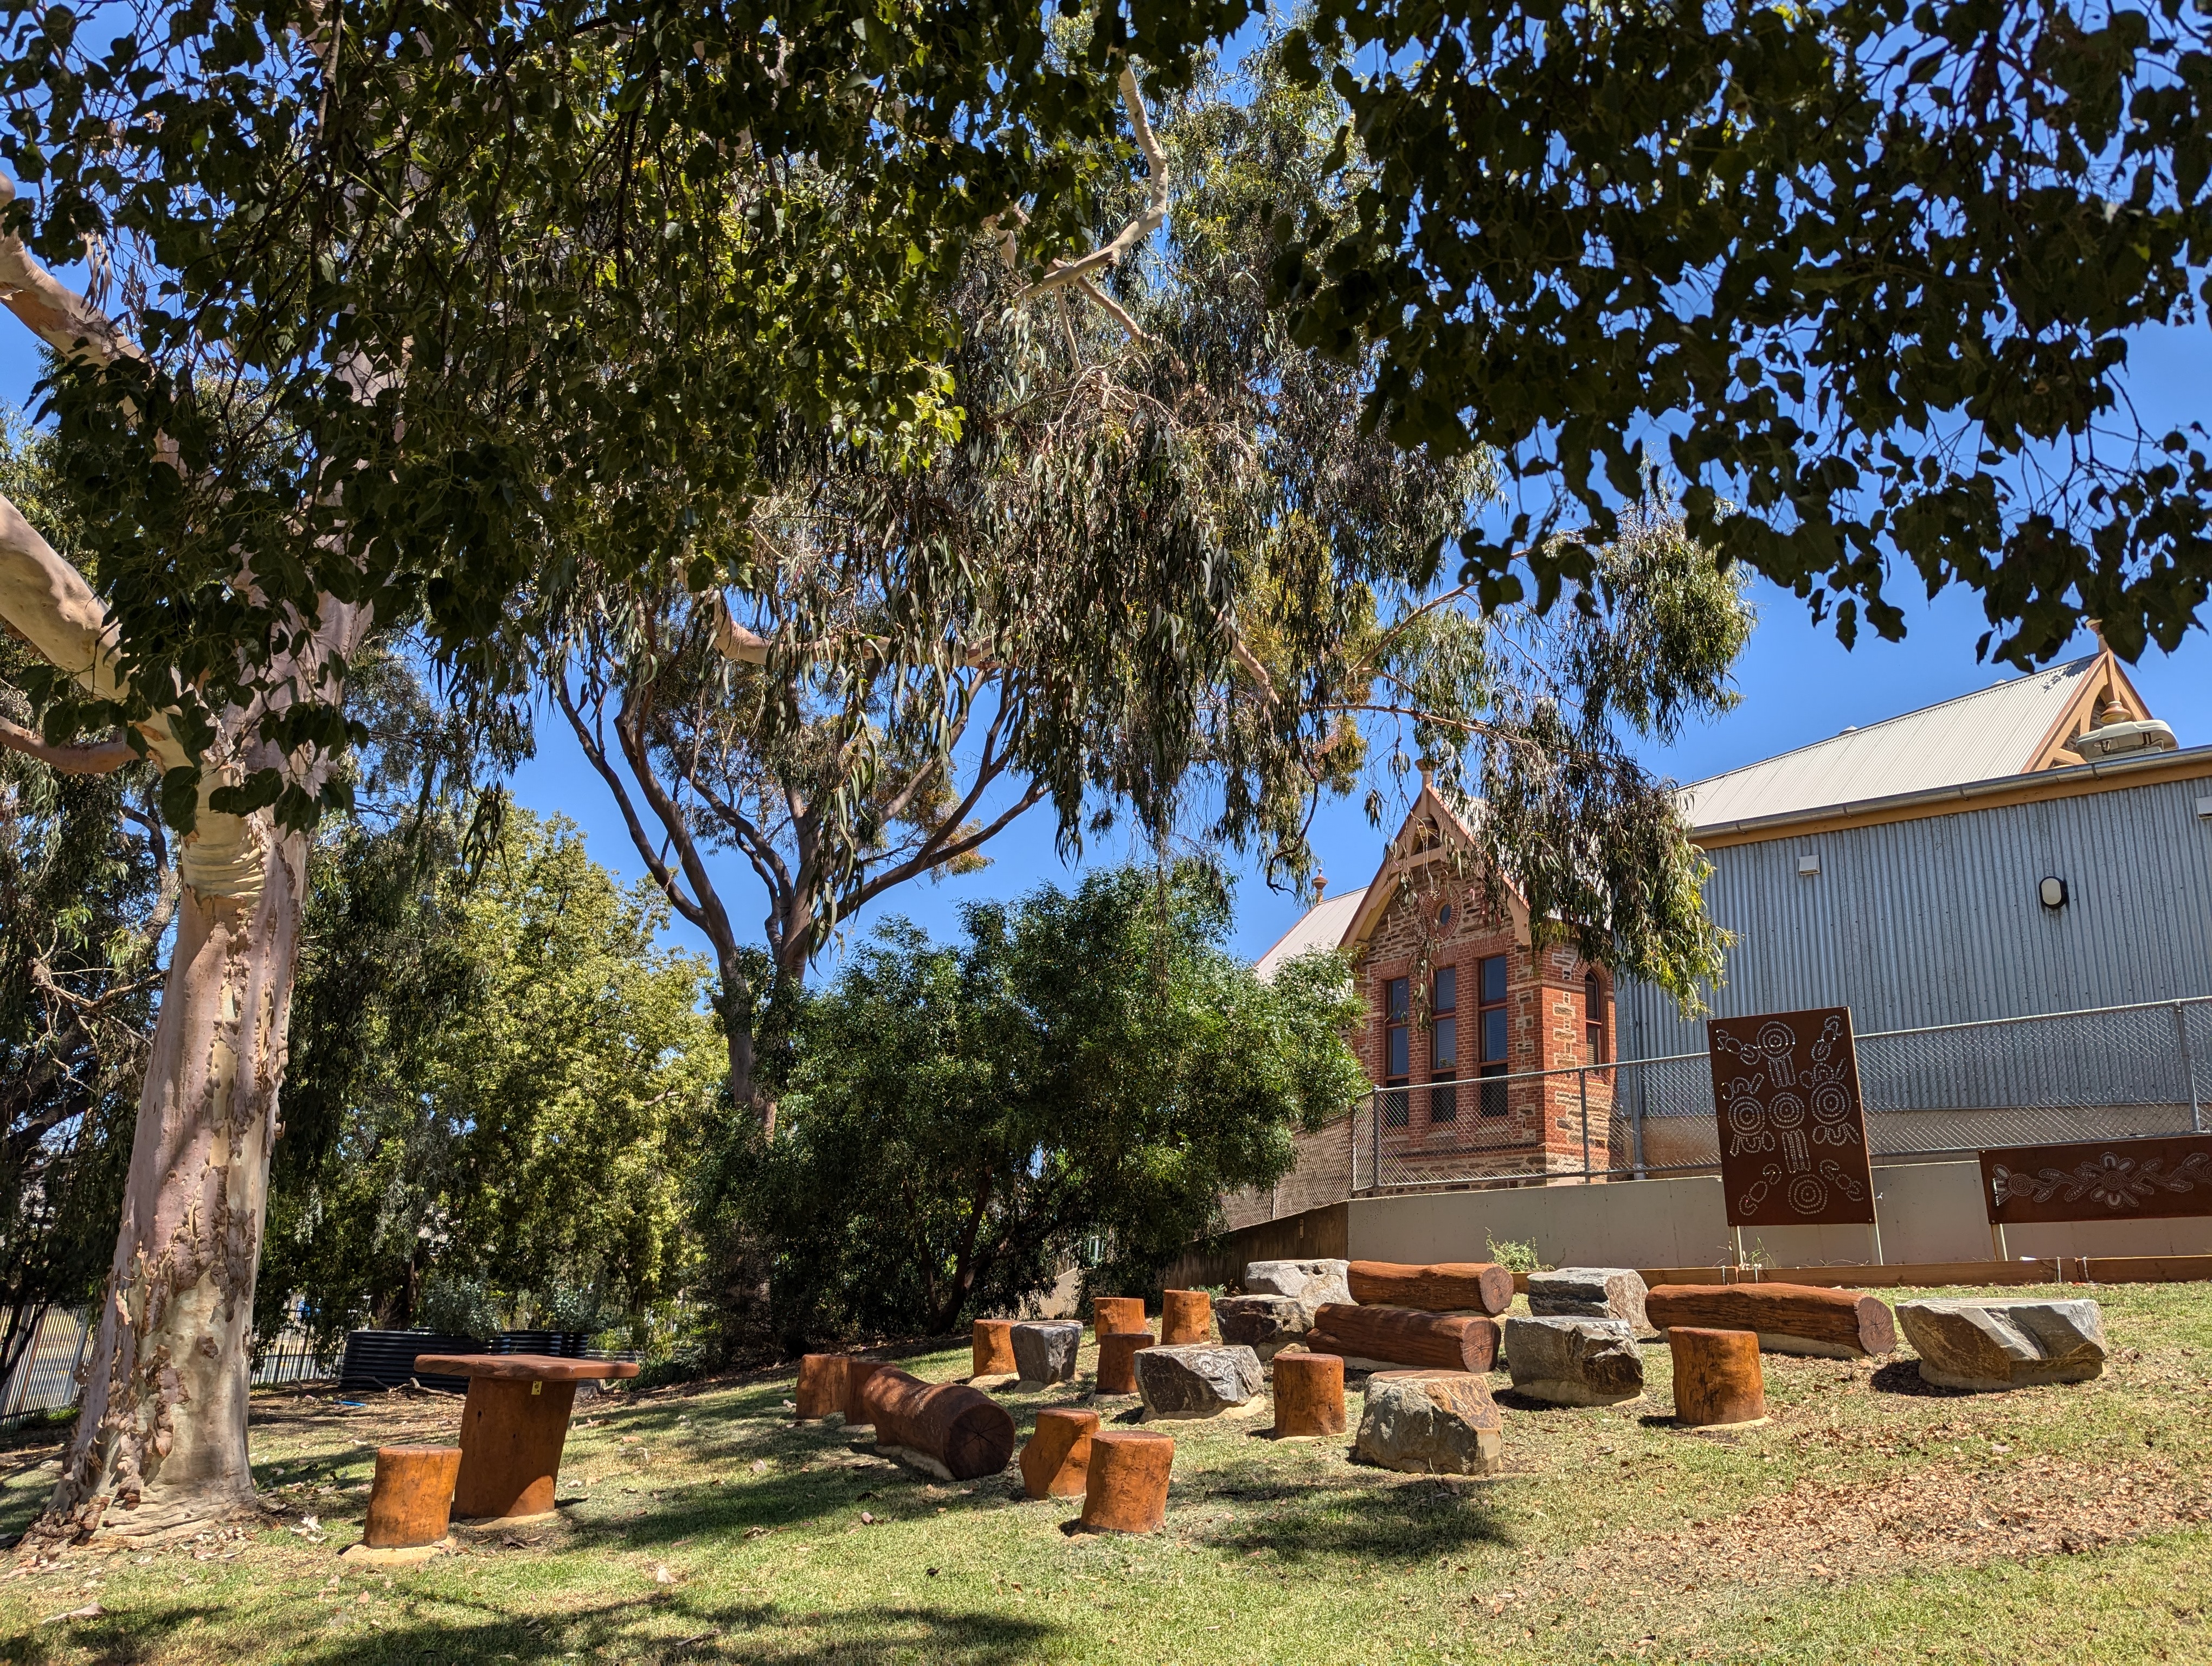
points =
(2149, 1179)
(1792, 1131)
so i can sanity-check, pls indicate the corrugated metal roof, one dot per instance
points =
(1992, 732)
(1321, 927)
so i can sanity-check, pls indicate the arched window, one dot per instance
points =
(1593, 1018)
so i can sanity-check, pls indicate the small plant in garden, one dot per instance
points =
(1513, 1256)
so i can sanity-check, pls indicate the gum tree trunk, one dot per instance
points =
(160, 1444)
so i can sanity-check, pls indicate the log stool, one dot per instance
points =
(411, 1502)
(1109, 1313)
(1127, 1488)
(857, 1373)
(821, 1385)
(1186, 1317)
(1716, 1380)
(1309, 1396)
(1056, 1463)
(1117, 1363)
(992, 1349)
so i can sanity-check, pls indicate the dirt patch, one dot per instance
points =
(1948, 1514)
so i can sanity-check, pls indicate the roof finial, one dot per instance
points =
(1319, 889)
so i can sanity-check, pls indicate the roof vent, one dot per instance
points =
(2121, 739)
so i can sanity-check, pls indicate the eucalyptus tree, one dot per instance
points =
(1163, 568)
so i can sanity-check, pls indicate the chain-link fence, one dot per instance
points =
(2100, 1073)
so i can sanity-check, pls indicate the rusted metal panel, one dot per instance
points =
(1792, 1129)
(2149, 1179)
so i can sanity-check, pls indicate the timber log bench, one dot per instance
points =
(513, 1426)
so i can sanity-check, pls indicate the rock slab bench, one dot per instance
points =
(1574, 1362)
(1431, 1423)
(1589, 1292)
(1044, 1351)
(1265, 1324)
(1381, 1338)
(1787, 1318)
(1309, 1283)
(1988, 1346)
(1196, 1380)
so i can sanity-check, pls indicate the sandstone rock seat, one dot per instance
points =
(1309, 1396)
(1384, 1338)
(1431, 1423)
(1589, 1292)
(948, 1430)
(1125, 1490)
(1988, 1346)
(1112, 1313)
(990, 1349)
(1574, 1362)
(1044, 1351)
(1193, 1381)
(513, 1424)
(1265, 1324)
(1186, 1318)
(1454, 1287)
(411, 1501)
(1787, 1318)
(1117, 1353)
(1056, 1461)
(1308, 1283)
(857, 1373)
(1717, 1377)
(821, 1386)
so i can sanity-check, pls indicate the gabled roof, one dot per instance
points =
(2018, 726)
(1321, 927)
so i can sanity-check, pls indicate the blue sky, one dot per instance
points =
(1798, 684)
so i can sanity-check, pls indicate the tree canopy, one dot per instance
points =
(1084, 1066)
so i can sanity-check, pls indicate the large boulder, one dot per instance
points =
(1044, 1350)
(1265, 1324)
(1197, 1380)
(1990, 1345)
(1589, 1292)
(1309, 1283)
(1431, 1423)
(1574, 1362)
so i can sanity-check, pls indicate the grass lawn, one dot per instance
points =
(1871, 1519)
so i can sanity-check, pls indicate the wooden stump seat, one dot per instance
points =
(1117, 1369)
(1406, 1336)
(1717, 1377)
(857, 1373)
(1309, 1396)
(1056, 1461)
(1111, 1313)
(992, 1348)
(411, 1502)
(1127, 1488)
(1186, 1318)
(821, 1386)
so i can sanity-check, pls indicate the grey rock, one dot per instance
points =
(1574, 1362)
(1265, 1324)
(1310, 1282)
(1589, 1292)
(1431, 1423)
(1992, 1345)
(1196, 1380)
(1044, 1350)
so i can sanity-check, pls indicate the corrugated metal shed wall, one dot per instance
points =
(1936, 921)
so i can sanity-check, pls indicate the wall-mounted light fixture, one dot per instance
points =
(2052, 892)
(1808, 867)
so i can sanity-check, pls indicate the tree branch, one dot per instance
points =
(1139, 229)
(595, 751)
(101, 758)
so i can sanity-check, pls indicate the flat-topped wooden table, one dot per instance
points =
(514, 1426)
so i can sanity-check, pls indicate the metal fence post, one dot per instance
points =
(2188, 1069)
(1581, 1081)
(1636, 1126)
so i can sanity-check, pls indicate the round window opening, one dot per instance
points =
(1443, 915)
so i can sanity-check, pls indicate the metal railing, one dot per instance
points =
(46, 1378)
(2100, 1073)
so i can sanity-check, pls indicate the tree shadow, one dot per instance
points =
(676, 1627)
(1369, 1512)
(113, 1639)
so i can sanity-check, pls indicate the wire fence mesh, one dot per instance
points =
(2100, 1073)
